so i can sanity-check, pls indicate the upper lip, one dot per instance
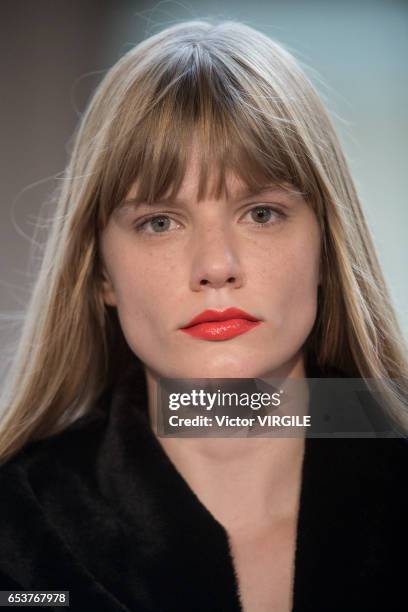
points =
(220, 315)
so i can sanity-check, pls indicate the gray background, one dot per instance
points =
(55, 52)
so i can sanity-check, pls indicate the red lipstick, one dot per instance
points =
(220, 325)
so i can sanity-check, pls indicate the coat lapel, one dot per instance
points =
(178, 554)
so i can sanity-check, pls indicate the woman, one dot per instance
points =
(205, 175)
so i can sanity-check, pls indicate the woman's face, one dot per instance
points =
(259, 253)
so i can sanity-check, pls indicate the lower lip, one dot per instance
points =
(220, 330)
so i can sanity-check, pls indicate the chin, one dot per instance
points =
(242, 368)
(221, 368)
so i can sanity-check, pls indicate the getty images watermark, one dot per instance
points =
(226, 407)
(213, 401)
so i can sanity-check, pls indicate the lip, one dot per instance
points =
(220, 325)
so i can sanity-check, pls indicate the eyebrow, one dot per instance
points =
(242, 194)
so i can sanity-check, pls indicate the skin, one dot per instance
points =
(216, 254)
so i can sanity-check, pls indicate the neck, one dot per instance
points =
(245, 483)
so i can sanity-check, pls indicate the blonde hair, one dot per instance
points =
(254, 113)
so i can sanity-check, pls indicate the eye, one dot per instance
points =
(265, 215)
(158, 224)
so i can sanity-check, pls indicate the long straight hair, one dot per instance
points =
(254, 113)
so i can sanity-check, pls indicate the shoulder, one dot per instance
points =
(68, 449)
(371, 456)
(36, 484)
(47, 465)
(390, 457)
(372, 471)
(384, 459)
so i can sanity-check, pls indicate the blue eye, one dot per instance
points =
(160, 223)
(264, 215)
(261, 214)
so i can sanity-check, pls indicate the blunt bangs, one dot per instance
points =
(193, 94)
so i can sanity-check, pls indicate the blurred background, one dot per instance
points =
(55, 52)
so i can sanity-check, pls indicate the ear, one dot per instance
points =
(108, 292)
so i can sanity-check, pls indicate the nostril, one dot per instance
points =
(205, 281)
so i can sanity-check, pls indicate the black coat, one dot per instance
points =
(99, 510)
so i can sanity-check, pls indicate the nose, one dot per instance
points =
(215, 260)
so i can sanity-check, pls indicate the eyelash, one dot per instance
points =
(139, 226)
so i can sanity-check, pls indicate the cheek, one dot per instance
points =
(138, 307)
(292, 278)
(141, 283)
(137, 293)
